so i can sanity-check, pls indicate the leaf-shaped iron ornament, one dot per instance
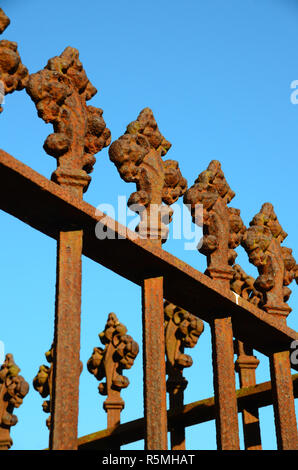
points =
(276, 264)
(13, 74)
(244, 285)
(119, 353)
(182, 330)
(60, 92)
(137, 156)
(43, 383)
(13, 389)
(223, 228)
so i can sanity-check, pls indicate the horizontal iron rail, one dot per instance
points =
(49, 208)
(257, 396)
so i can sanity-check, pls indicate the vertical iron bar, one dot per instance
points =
(155, 405)
(246, 365)
(227, 433)
(178, 432)
(283, 401)
(66, 363)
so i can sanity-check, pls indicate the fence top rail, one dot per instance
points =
(48, 207)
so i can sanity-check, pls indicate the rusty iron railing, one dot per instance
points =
(244, 314)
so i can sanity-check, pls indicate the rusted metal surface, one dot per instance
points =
(244, 285)
(119, 353)
(60, 92)
(154, 370)
(234, 304)
(246, 362)
(13, 74)
(277, 269)
(182, 330)
(283, 401)
(227, 433)
(4, 21)
(223, 230)
(194, 413)
(276, 264)
(246, 365)
(43, 383)
(13, 389)
(138, 157)
(46, 206)
(66, 357)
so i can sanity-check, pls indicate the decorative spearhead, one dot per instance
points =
(137, 156)
(222, 225)
(13, 389)
(276, 264)
(13, 74)
(118, 354)
(60, 92)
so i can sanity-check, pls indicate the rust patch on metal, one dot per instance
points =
(13, 389)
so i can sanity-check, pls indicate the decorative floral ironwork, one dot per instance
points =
(13, 74)
(13, 389)
(119, 353)
(60, 92)
(137, 156)
(43, 382)
(276, 264)
(4, 21)
(223, 228)
(244, 285)
(182, 330)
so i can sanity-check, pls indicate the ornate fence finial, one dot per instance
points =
(4, 21)
(243, 285)
(246, 363)
(60, 92)
(13, 388)
(137, 156)
(223, 228)
(276, 265)
(119, 353)
(182, 330)
(13, 74)
(43, 382)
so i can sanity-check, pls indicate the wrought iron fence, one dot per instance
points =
(244, 314)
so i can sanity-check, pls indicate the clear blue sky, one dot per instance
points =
(217, 76)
